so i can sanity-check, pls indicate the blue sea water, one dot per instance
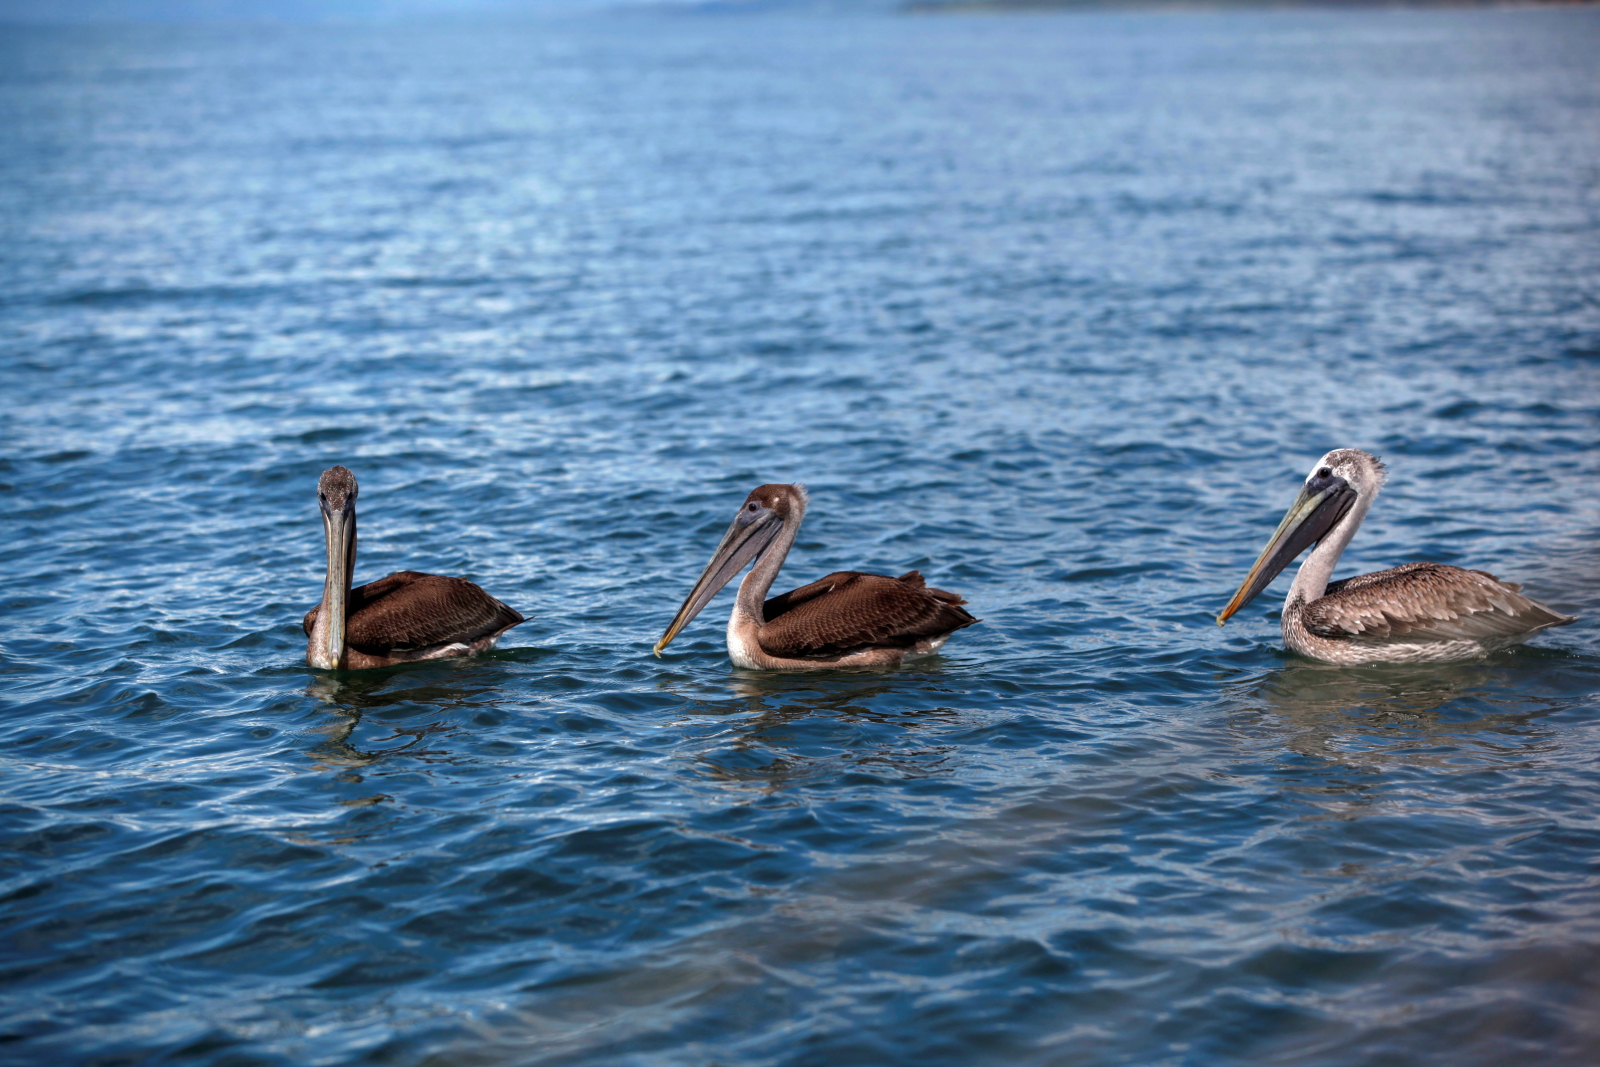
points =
(1058, 310)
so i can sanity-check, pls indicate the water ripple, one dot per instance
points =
(1052, 309)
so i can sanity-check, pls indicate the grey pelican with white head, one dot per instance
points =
(405, 617)
(1414, 613)
(848, 619)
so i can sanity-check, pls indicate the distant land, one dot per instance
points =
(103, 12)
(941, 7)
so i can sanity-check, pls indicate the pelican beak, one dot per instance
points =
(747, 537)
(1319, 507)
(339, 530)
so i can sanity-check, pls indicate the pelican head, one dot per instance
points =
(1337, 482)
(336, 493)
(765, 514)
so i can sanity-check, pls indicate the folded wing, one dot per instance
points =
(849, 610)
(1427, 602)
(408, 611)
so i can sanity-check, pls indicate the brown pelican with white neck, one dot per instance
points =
(1413, 613)
(847, 619)
(405, 617)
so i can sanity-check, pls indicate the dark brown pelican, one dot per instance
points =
(404, 617)
(1417, 612)
(847, 619)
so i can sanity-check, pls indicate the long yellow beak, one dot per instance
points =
(746, 539)
(1310, 517)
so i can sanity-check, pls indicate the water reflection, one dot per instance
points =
(351, 699)
(1447, 716)
(768, 748)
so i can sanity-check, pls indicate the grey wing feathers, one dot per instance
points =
(1427, 602)
(409, 610)
(850, 610)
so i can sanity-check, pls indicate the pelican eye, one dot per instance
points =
(755, 505)
(1325, 472)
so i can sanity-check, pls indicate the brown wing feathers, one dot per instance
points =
(850, 610)
(1426, 602)
(409, 610)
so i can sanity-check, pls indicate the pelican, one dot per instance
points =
(1413, 613)
(405, 617)
(847, 619)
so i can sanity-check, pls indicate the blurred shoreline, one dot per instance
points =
(945, 7)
